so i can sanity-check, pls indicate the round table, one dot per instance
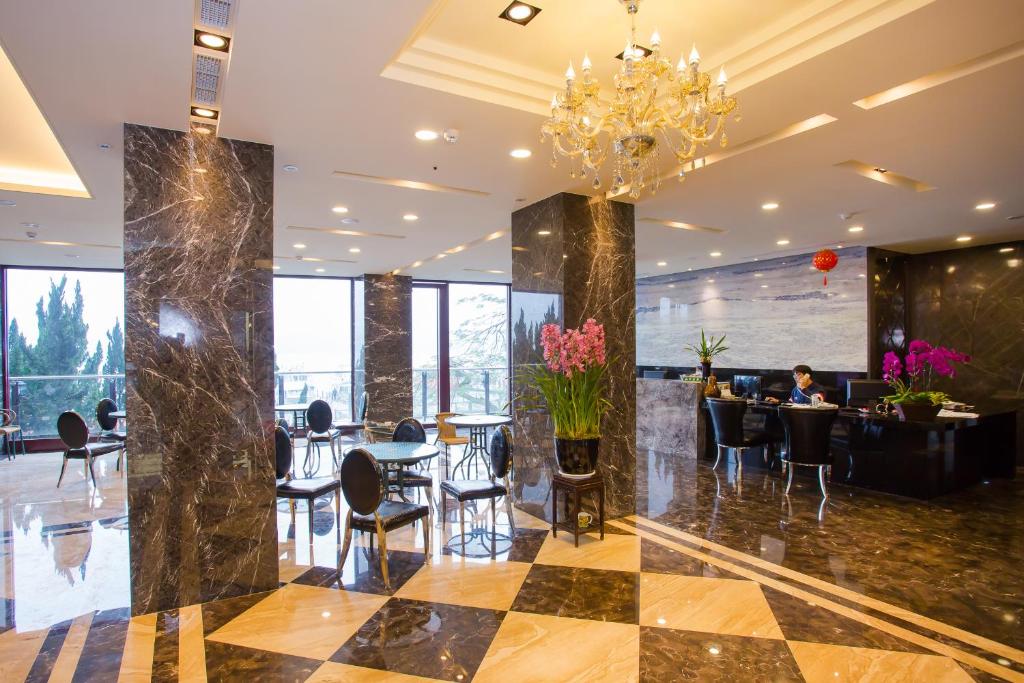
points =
(477, 425)
(395, 455)
(295, 409)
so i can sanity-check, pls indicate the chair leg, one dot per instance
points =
(348, 539)
(310, 502)
(63, 467)
(92, 474)
(426, 539)
(718, 456)
(821, 481)
(462, 524)
(789, 480)
(383, 543)
(334, 457)
(508, 511)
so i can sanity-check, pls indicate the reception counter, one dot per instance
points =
(669, 417)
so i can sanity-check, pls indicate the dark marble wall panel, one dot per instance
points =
(887, 306)
(573, 260)
(387, 346)
(198, 250)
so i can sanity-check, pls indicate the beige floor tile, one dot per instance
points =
(71, 650)
(617, 552)
(301, 620)
(332, 672)
(726, 606)
(18, 652)
(837, 663)
(191, 648)
(137, 659)
(534, 647)
(453, 580)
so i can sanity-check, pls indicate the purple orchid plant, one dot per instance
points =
(911, 377)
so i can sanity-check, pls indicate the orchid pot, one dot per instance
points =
(911, 378)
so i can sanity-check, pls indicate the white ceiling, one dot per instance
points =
(305, 76)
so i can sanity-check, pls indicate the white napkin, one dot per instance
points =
(952, 413)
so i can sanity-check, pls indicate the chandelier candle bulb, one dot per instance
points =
(722, 80)
(694, 56)
(570, 74)
(655, 40)
(586, 64)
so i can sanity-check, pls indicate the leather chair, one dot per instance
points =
(362, 484)
(464, 490)
(359, 423)
(808, 440)
(108, 425)
(74, 432)
(410, 430)
(447, 435)
(319, 429)
(727, 418)
(302, 489)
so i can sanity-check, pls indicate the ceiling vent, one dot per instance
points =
(215, 13)
(206, 79)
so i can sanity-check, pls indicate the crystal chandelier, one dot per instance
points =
(686, 113)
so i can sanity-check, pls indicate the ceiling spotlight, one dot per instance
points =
(764, 286)
(202, 130)
(662, 264)
(319, 270)
(985, 206)
(8, 202)
(715, 254)
(1006, 250)
(879, 169)
(211, 41)
(770, 206)
(204, 112)
(299, 245)
(426, 135)
(276, 267)
(839, 246)
(290, 168)
(340, 209)
(855, 228)
(354, 250)
(519, 13)
(410, 217)
(520, 153)
(543, 232)
(782, 243)
(964, 238)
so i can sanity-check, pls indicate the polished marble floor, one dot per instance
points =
(718, 578)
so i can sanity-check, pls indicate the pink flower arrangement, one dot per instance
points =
(921, 363)
(573, 351)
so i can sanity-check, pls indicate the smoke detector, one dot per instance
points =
(451, 135)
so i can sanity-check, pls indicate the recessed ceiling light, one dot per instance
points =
(715, 254)
(855, 228)
(1006, 250)
(426, 135)
(410, 217)
(299, 245)
(985, 206)
(782, 243)
(8, 202)
(770, 206)
(290, 168)
(662, 264)
(543, 232)
(520, 153)
(711, 280)
(354, 250)
(340, 209)
(519, 13)
(879, 169)
(211, 41)
(758, 275)
(202, 130)
(319, 270)
(204, 112)
(839, 246)
(276, 267)
(964, 238)
(764, 286)
(861, 275)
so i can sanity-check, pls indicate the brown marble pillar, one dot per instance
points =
(199, 339)
(573, 259)
(384, 370)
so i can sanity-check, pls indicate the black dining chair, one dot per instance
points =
(319, 429)
(302, 489)
(74, 432)
(410, 430)
(727, 419)
(363, 485)
(808, 440)
(464, 490)
(108, 425)
(359, 423)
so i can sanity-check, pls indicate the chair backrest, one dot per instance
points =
(73, 430)
(7, 417)
(282, 451)
(808, 434)
(361, 406)
(727, 418)
(319, 416)
(444, 430)
(501, 452)
(103, 410)
(362, 481)
(409, 430)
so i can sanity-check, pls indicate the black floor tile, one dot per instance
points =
(596, 594)
(673, 655)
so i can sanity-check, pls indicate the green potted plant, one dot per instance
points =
(706, 350)
(572, 381)
(911, 379)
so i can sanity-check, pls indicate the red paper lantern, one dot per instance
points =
(825, 260)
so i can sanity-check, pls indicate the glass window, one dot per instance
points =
(313, 342)
(478, 347)
(65, 344)
(425, 352)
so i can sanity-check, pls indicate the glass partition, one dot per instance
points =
(426, 360)
(65, 344)
(478, 347)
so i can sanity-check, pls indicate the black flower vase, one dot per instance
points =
(577, 458)
(705, 369)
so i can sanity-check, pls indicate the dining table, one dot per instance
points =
(395, 455)
(478, 424)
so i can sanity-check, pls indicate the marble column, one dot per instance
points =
(199, 339)
(386, 368)
(573, 259)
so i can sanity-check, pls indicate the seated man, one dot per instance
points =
(805, 387)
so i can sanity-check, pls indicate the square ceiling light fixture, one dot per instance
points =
(211, 41)
(520, 13)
